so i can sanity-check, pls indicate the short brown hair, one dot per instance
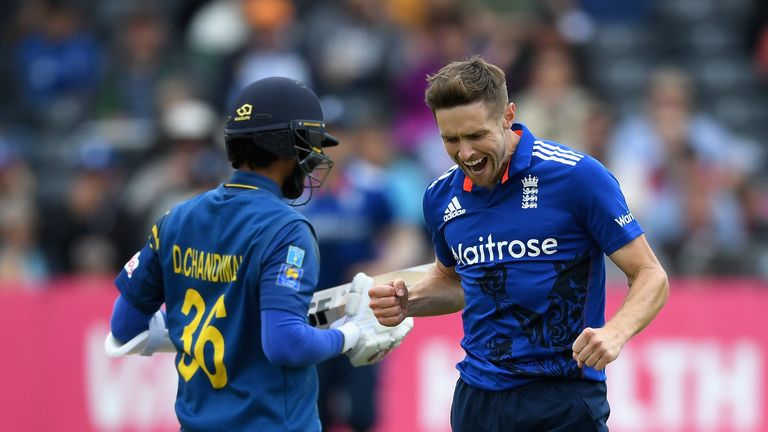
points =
(466, 82)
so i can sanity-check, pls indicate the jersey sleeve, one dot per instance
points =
(289, 340)
(600, 206)
(127, 321)
(442, 250)
(290, 268)
(141, 280)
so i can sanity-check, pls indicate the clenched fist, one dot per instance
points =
(596, 347)
(389, 302)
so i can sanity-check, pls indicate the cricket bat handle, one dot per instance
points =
(328, 305)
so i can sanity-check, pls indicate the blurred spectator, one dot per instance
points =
(574, 24)
(88, 214)
(754, 196)
(758, 38)
(444, 36)
(94, 256)
(609, 11)
(359, 227)
(21, 259)
(210, 47)
(353, 49)
(206, 168)
(58, 64)
(138, 63)
(510, 47)
(598, 128)
(17, 181)
(271, 47)
(555, 106)
(680, 170)
(179, 165)
(204, 35)
(405, 185)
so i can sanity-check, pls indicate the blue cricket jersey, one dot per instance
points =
(530, 254)
(216, 260)
(347, 219)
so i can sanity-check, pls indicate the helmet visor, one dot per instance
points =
(314, 133)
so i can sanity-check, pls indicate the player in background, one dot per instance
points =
(236, 268)
(360, 227)
(520, 232)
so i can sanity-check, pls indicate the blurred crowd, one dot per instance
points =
(111, 111)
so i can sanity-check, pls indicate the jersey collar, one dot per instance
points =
(249, 180)
(521, 159)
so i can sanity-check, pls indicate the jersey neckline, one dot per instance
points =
(252, 181)
(520, 160)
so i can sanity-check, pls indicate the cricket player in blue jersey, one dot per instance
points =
(236, 268)
(520, 227)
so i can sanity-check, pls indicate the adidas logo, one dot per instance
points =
(454, 209)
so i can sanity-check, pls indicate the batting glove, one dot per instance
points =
(155, 339)
(365, 340)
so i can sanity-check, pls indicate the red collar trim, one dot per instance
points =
(518, 132)
(467, 184)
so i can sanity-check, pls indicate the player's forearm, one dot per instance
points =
(289, 341)
(127, 321)
(648, 291)
(438, 293)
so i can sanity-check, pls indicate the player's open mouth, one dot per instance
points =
(477, 165)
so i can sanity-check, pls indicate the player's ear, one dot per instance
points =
(509, 115)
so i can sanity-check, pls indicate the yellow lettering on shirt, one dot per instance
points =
(200, 273)
(225, 274)
(204, 265)
(176, 259)
(187, 257)
(216, 267)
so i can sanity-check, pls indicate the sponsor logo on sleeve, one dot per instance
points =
(132, 264)
(289, 276)
(295, 256)
(625, 219)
